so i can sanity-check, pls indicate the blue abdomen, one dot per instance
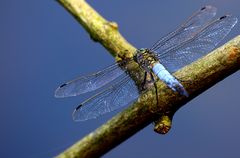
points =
(160, 71)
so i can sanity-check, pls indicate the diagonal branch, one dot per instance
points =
(203, 74)
(99, 29)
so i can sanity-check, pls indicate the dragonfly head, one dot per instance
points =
(145, 58)
(139, 54)
(142, 50)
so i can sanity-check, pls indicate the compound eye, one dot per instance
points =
(142, 49)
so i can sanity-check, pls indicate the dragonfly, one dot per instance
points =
(197, 36)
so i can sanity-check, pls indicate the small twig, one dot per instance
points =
(203, 74)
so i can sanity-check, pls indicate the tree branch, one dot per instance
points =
(203, 74)
(99, 29)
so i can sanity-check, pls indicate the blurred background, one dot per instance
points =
(42, 46)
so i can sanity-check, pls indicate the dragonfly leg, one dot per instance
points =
(145, 79)
(144, 83)
(148, 81)
(155, 86)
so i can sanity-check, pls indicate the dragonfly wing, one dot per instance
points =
(200, 44)
(89, 83)
(116, 96)
(198, 20)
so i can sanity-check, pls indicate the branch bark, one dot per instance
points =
(203, 74)
(99, 29)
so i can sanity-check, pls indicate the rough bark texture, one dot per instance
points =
(203, 74)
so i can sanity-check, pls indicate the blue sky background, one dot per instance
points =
(42, 45)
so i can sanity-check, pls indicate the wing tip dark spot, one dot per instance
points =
(209, 7)
(223, 17)
(79, 106)
(63, 85)
(203, 8)
(75, 115)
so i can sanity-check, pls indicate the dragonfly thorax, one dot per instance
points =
(145, 58)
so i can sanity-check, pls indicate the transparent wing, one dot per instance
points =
(198, 20)
(89, 83)
(198, 45)
(116, 96)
